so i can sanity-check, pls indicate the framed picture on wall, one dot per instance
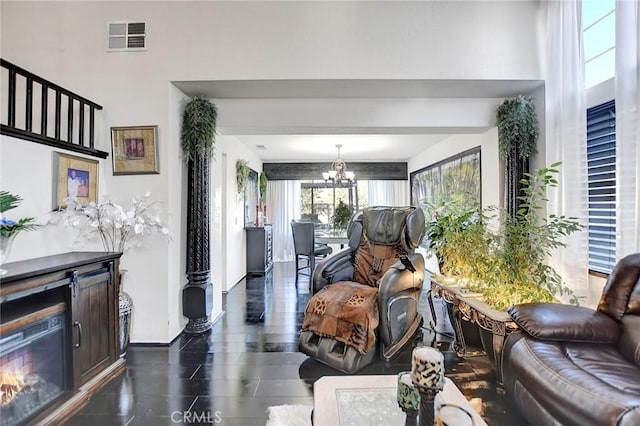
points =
(74, 177)
(134, 150)
(454, 180)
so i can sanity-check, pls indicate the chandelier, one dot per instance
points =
(338, 173)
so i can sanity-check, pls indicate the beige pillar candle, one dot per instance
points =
(427, 368)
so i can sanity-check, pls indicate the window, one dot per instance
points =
(127, 35)
(319, 199)
(599, 26)
(601, 172)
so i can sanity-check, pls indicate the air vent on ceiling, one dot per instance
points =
(262, 147)
(125, 35)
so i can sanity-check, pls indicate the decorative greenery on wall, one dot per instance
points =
(242, 175)
(199, 128)
(517, 135)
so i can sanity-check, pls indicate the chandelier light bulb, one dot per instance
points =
(338, 172)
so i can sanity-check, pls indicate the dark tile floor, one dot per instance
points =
(249, 362)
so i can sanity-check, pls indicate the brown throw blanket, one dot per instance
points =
(346, 311)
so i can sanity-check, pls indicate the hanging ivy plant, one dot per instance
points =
(199, 128)
(262, 188)
(517, 136)
(517, 127)
(242, 175)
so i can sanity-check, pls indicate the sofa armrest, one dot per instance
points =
(554, 321)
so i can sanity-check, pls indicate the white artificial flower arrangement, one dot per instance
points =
(117, 228)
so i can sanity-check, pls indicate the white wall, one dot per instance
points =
(385, 115)
(27, 170)
(235, 238)
(280, 40)
(177, 198)
(275, 40)
(65, 43)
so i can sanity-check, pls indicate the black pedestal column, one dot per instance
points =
(197, 294)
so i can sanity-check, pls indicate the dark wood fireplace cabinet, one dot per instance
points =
(58, 335)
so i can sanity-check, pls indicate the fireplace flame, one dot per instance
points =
(11, 383)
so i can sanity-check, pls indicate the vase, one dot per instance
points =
(125, 309)
(5, 250)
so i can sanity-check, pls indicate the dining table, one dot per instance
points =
(332, 236)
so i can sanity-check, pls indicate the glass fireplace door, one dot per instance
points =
(32, 363)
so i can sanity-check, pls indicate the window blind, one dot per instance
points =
(601, 172)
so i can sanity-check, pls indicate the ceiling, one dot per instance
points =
(303, 120)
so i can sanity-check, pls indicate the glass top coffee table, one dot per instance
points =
(371, 400)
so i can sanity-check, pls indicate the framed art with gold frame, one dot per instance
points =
(134, 150)
(74, 177)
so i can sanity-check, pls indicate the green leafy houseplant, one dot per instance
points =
(507, 265)
(456, 233)
(524, 245)
(10, 228)
(199, 128)
(341, 215)
(242, 175)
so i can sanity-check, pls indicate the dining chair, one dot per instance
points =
(305, 246)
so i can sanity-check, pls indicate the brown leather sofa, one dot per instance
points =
(571, 365)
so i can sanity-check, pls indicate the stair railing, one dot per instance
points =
(69, 130)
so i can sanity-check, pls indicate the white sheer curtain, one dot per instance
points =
(283, 203)
(566, 135)
(627, 83)
(388, 193)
